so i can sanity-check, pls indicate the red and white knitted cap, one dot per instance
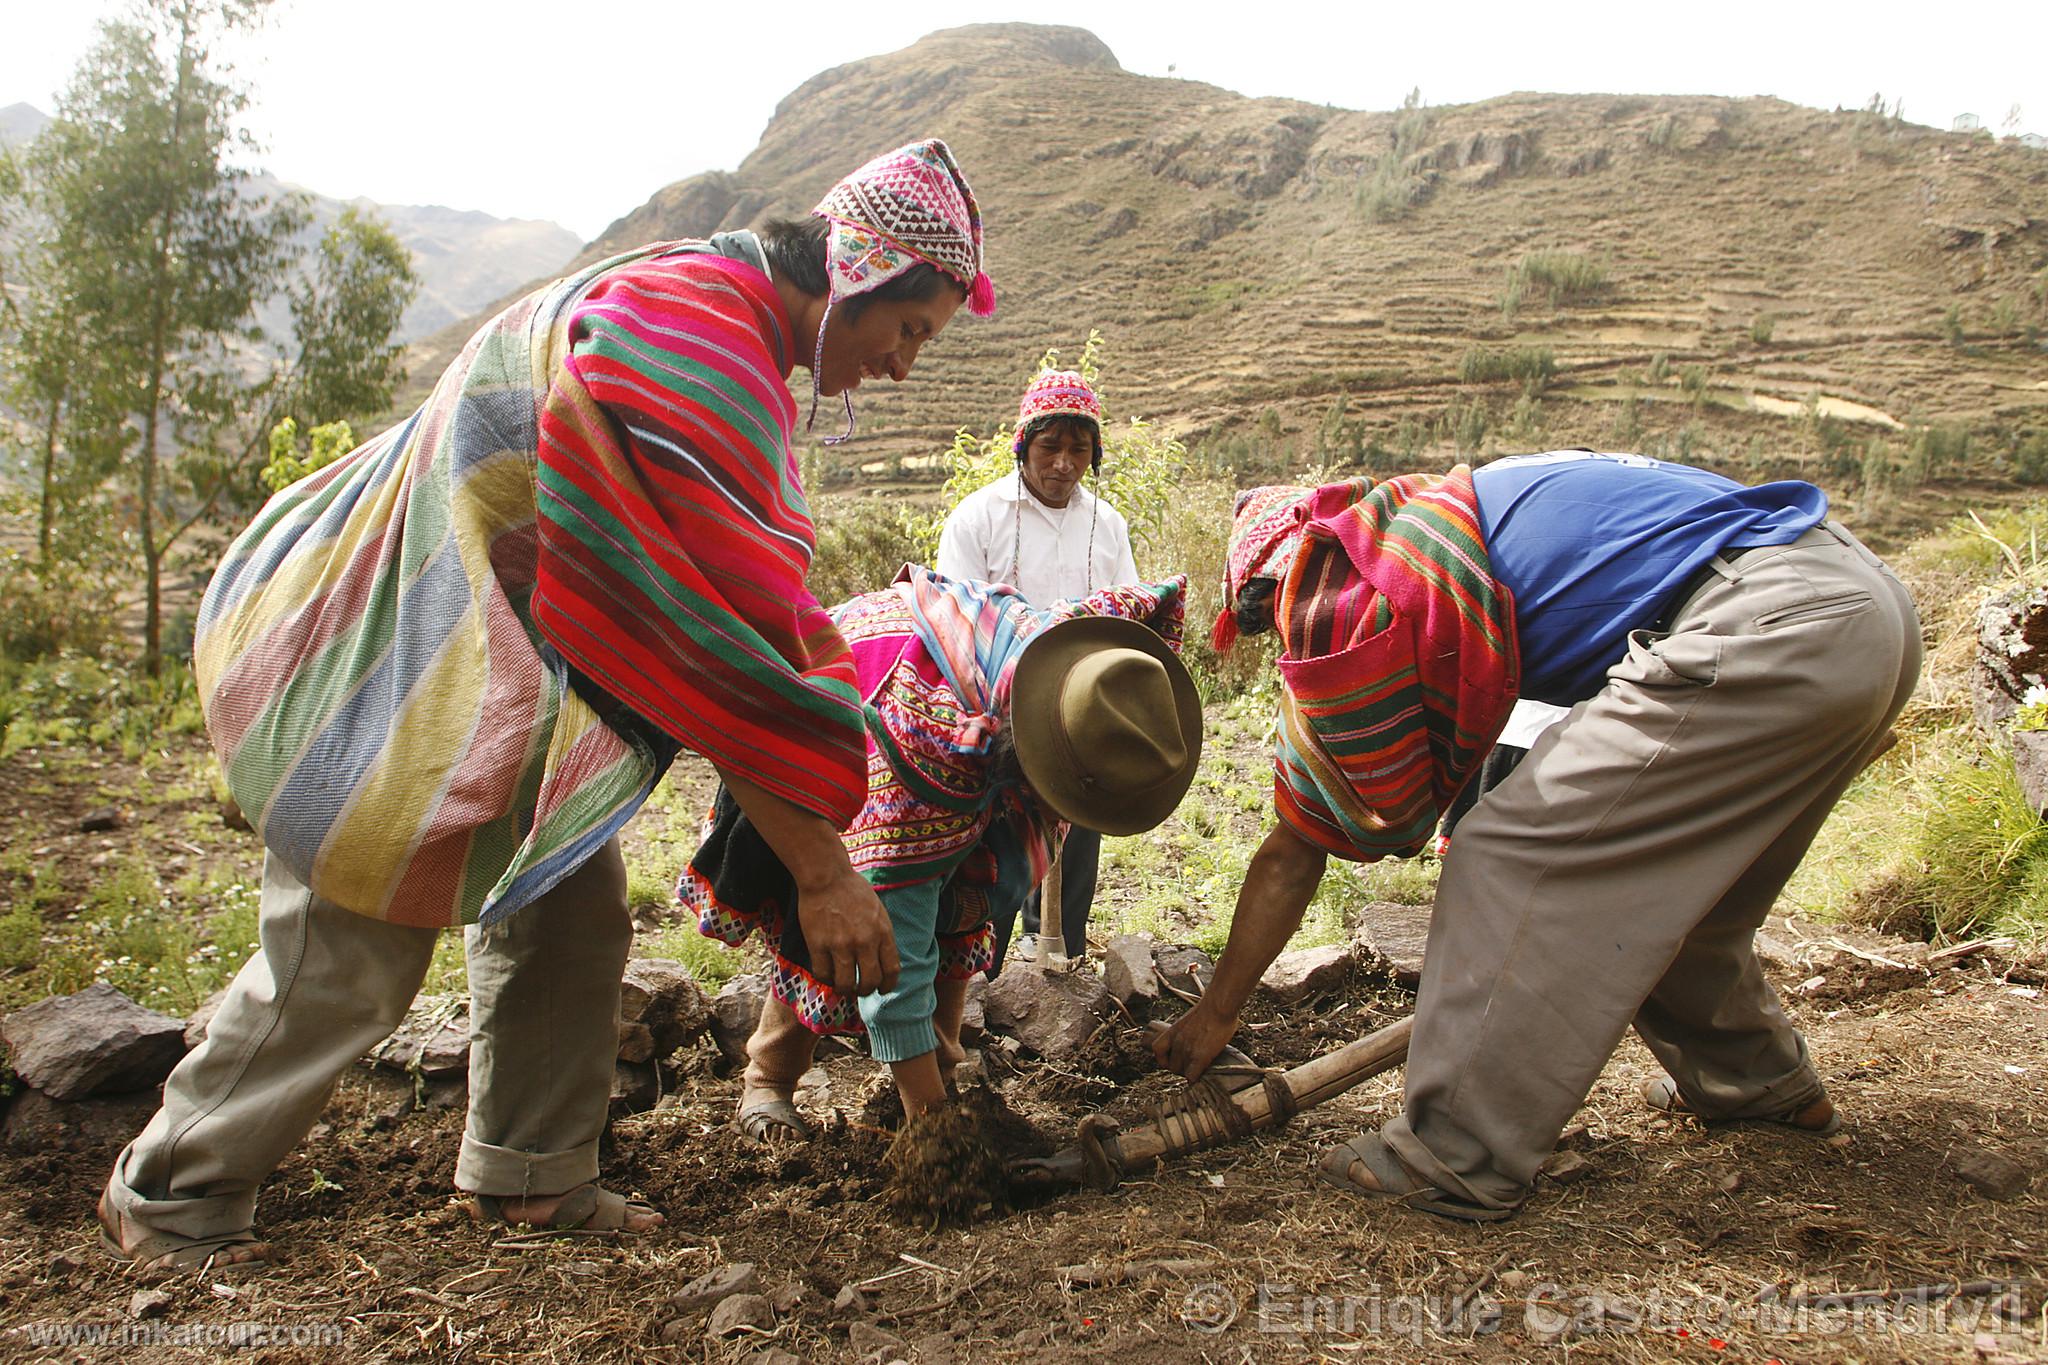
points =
(1056, 393)
(907, 206)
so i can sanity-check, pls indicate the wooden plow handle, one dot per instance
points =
(1207, 1116)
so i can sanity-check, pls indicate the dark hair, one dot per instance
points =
(795, 248)
(1067, 424)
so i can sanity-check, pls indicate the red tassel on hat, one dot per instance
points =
(1224, 635)
(981, 299)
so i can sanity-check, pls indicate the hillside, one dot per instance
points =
(464, 259)
(1226, 247)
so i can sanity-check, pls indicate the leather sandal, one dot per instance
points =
(1818, 1119)
(589, 1210)
(155, 1255)
(1393, 1181)
(773, 1123)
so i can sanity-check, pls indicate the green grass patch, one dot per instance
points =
(166, 947)
(1975, 855)
(710, 962)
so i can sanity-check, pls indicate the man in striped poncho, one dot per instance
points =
(1731, 660)
(443, 672)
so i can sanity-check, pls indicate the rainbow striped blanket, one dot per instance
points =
(1398, 662)
(601, 486)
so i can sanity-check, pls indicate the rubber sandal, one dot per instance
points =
(586, 1211)
(758, 1122)
(1662, 1095)
(1396, 1183)
(157, 1256)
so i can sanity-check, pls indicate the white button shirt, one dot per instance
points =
(980, 541)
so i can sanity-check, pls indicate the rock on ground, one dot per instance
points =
(1390, 938)
(635, 1087)
(870, 1342)
(1306, 972)
(95, 1042)
(1051, 1012)
(661, 1007)
(433, 1040)
(734, 1012)
(2012, 659)
(974, 1014)
(741, 1313)
(1128, 970)
(1992, 1175)
(715, 1286)
(1184, 968)
(196, 1022)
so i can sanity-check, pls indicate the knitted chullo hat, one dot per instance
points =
(907, 207)
(1265, 533)
(1056, 393)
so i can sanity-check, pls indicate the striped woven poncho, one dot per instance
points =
(1398, 661)
(602, 481)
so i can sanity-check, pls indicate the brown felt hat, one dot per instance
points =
(1107, 722)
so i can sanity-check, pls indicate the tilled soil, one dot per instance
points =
(1657, 1240)
(1238, 1251)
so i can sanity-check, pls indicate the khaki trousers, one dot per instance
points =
(1618, 875)
(328, 985)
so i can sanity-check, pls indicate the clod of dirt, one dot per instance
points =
(943, 1168)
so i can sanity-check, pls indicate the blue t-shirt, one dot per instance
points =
(1594, 546)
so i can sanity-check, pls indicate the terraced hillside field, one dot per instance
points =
(1251, 261)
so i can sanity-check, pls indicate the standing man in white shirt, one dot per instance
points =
(1045, 534)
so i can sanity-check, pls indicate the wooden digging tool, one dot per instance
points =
(1052, 935)
(1205, 1115)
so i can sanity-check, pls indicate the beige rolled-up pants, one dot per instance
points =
(1618, 875)
(327, 985)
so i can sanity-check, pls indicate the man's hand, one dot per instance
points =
(847, 930)
(1194, 1040)
(853, 949)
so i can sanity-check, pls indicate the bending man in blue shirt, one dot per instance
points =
(1731, 660)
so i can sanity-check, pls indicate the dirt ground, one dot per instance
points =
(1668, 1241)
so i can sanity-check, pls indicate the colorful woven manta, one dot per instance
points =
(1398, 662)
(936, 658)
(603, 479)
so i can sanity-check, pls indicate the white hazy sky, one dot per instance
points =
(578, 112)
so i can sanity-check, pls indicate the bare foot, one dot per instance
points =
(539, 1211)
(127, 1241)
(204, 1257)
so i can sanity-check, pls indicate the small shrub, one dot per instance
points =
(1980, 861)
(1952, 325)
(2030, 458)
(291, 460)
(1533, 367)
(1761, 329)
(1692, 381)
(1391, 190)
(1564, 277)
(862, 542)
(2005, 317)
(1628, 422)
